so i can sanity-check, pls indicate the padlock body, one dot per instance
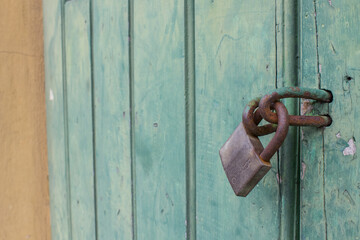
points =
(240, 157)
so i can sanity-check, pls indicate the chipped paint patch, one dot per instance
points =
(51, 95)
(303, 170)
(351, 149)
(338, 135)
(330, 3)
(302, 134)
(278, 178)
(306, 106)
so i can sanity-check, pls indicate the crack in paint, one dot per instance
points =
(303, 170)
(317, 45)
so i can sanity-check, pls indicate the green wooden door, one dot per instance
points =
(142, 94)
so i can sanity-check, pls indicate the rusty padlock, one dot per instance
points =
(244, 158)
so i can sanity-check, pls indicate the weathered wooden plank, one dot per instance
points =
(330, 186)
(160, 119)
(110, 21)
(287, 75)
(56, 125)
(312, 214)
(79, 118)
(235, 62)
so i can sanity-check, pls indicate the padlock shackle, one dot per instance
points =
(296, 92)
(280, 134)
(251, 120)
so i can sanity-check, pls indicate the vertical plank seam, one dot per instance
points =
(276, 86)
(317, 45)
(289, 192)
(300, 76)
(132, 117)
(323, 185)
(297, 184)
(300, 35)
(298, 138)
(93, 105)
(66, 126)
(280, 162)
(323, 135)
(190, 119)
(276, 52)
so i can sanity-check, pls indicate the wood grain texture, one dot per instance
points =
(235, 62)
(24, 198)
(56, 116)
(122, 93)
(159, 119)
(287, 75)
(110, 34)
(331, 60)
(79, 118)
(312, 214)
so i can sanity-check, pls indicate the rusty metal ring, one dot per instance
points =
(280, 134)
(251, 120)
(296, 92)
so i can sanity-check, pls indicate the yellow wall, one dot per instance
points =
(24, 198)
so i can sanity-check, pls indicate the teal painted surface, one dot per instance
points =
(79, 119)
(235, 62)
(141, 96)
(112, 118)
(313, 221)
(159, 119)
(331, 60)
(287, 75)
(56, 124)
